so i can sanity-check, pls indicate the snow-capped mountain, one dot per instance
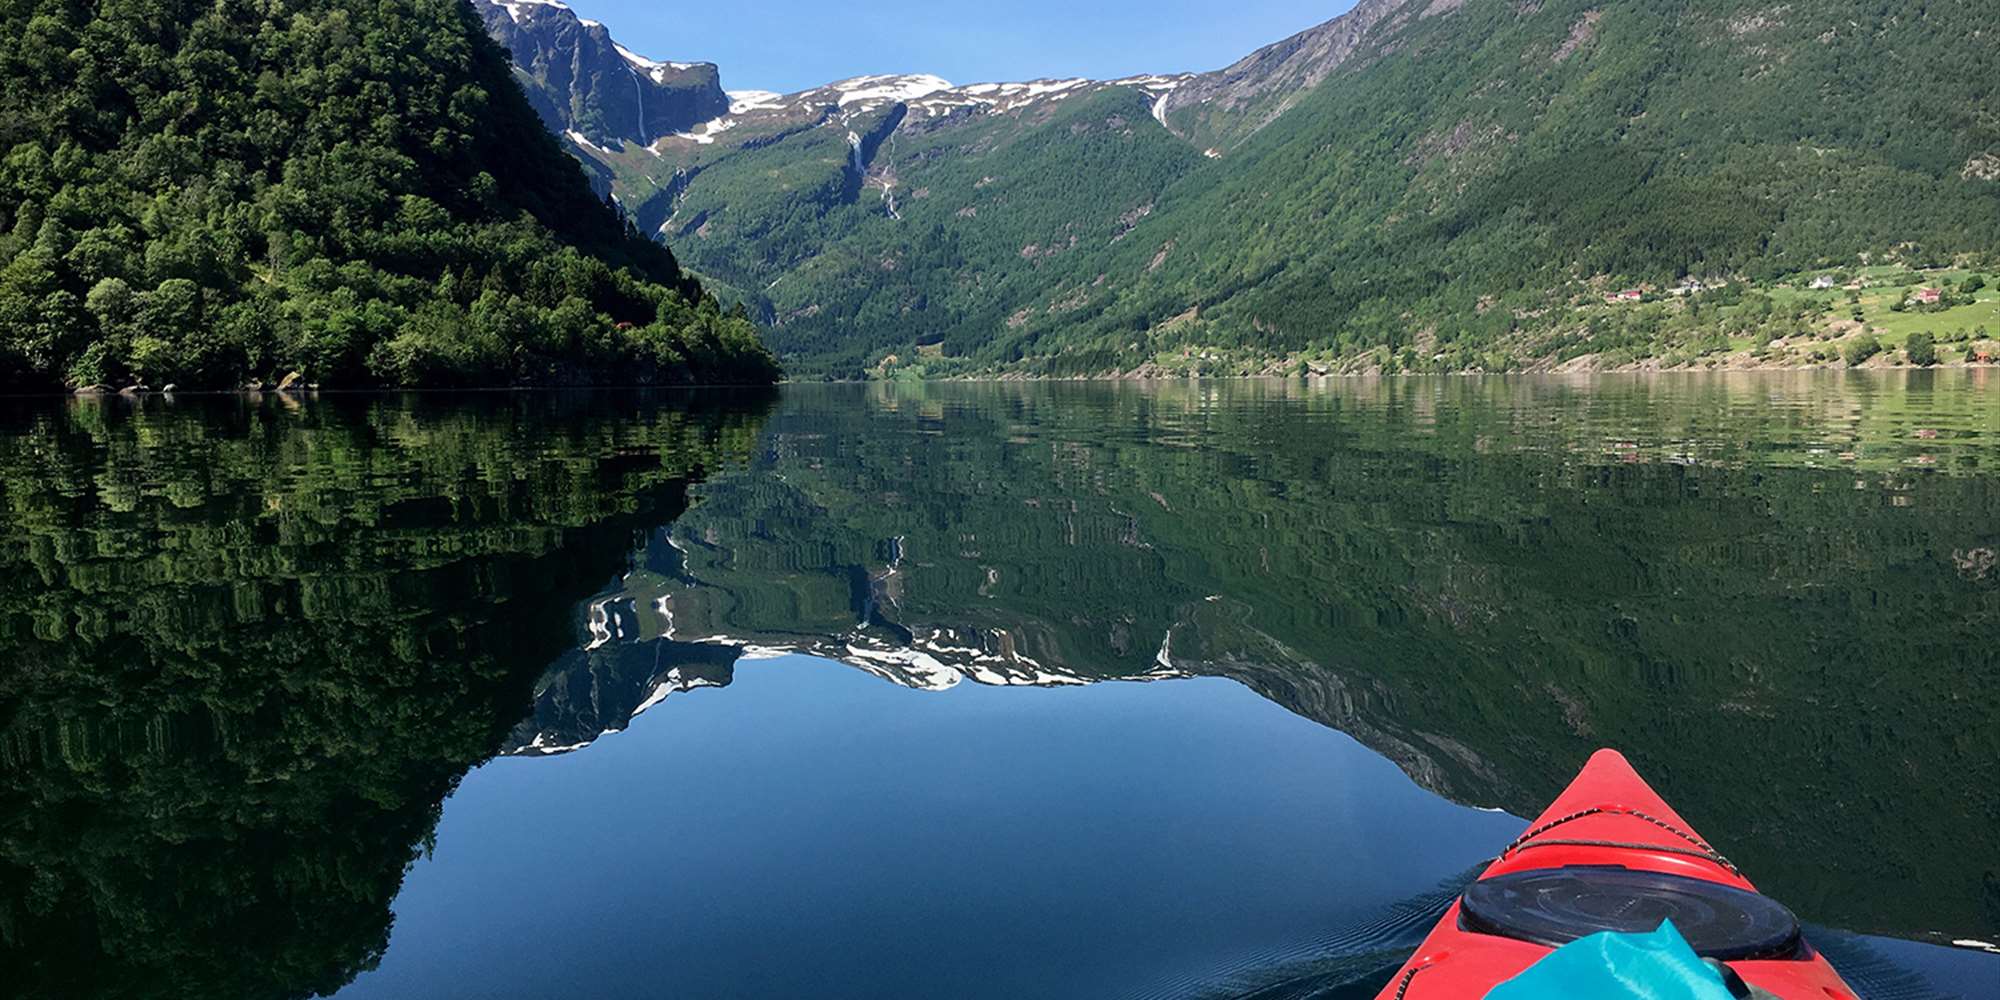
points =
(616, 676)
(1304, 208)
(593, 90)
(926, 98)
(605, 98)
(752, 187)
(597, 691)
(632, 656)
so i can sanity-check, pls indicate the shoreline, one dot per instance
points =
(1284, 376)
(1562, 372)
(300, 394)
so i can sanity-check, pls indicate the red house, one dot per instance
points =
(1928, 296)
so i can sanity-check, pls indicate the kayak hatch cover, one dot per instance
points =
(1610, 855)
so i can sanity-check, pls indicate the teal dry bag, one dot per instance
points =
(1609, 966)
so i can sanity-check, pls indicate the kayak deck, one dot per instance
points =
(1609, 820)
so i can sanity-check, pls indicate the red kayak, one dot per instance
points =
(1610, 855)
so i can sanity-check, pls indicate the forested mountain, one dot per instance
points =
(1443, 183)
(355, 191)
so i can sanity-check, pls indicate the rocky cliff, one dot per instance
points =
(593, 90)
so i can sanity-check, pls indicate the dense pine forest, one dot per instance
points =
(352, 191)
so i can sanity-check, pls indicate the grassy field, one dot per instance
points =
(1888, 286)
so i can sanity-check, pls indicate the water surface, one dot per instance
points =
(995, 690)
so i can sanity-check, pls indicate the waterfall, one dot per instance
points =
(639, 87)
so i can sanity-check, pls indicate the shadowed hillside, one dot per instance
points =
(246, 651)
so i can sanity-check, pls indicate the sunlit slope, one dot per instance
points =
(1414, 183)
(1464, 178)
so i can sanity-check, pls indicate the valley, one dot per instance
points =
(511, 498)
(1410, 186)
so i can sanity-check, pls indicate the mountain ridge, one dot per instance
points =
(1243, 97)
(1443, 184)
(589, 88)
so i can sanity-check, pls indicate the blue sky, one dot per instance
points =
(788, 45)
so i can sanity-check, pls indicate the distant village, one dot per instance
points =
(1927, 295)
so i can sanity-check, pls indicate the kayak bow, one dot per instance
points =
(1610, 855)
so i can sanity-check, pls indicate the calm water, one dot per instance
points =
(972, 691)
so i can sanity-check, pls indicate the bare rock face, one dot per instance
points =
(590, 88)
(591, 693)
(1222, 108)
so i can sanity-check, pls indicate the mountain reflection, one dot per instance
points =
(1769, 592)
(247, 648)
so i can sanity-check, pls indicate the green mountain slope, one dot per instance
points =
(988, 215)
(1425, 183)
(355, 190)
(1472, 176)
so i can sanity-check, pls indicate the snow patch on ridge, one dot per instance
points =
(582, 140)
(515, 7)
(928, 95)
(540, 747)
(706, 132)
(888, 88)
(1031, 88)
(600, 625)
(745, 101)
(920, 670)
(652, 67)
(673, 683)
(1002, 96)
(930, 663)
